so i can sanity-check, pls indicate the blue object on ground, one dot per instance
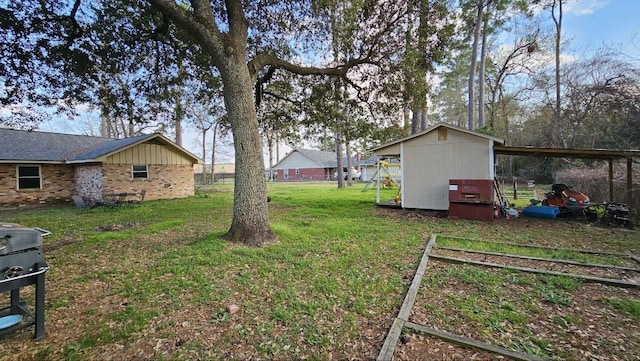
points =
(8, 321)
(546, 212)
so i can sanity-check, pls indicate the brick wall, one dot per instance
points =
(88, 181)
(57, 185)
(304, 174)
(164, 181)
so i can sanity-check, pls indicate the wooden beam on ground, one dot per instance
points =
(608, 281)
(389, 346)
(471, 343)
(637, 259)
(563, 261)
(541, 247)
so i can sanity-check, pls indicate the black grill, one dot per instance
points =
(22, 264)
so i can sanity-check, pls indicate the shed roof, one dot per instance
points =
(434, 127)
(46, 147)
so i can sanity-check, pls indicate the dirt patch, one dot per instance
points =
(119, 227)
(412, 346)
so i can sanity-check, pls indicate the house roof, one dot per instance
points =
(322, 158)
(46, 147)
(434, 127)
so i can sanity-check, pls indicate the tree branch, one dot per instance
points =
(203, 28)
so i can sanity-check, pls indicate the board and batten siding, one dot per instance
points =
(148, 154)
(431, 160)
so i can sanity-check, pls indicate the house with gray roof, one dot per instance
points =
(308, 165)
(43, 167)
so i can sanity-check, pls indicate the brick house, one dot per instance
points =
(307, 165)
(42, 167)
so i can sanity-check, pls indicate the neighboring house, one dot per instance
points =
(41, 167)
(221, 171)
(431, 158)
(306, 165)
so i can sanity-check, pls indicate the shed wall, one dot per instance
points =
(430, 161)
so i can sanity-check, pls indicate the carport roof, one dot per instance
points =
(567, 152)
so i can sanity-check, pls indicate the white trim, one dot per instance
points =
(146, 167)
(402, 168)
(492, 160)
(29, 177)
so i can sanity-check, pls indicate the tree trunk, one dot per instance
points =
(250, 224)
(555, 128)
(178, 120)
(349, 162)
(213, 154)
(415, 121)
(472, 68)
(339, 160)
(204, 155)
(481, 78)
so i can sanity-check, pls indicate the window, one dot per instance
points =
(286, 173)
(29, 177)
(139, 172)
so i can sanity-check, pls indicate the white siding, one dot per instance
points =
(429, 163)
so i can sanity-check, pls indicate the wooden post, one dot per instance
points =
(515, 188)
(630, 183)
(610, 180)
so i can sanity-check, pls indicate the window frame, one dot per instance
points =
(134, 172)
(285, 173)
(18, 177)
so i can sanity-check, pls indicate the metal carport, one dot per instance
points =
(601, 154)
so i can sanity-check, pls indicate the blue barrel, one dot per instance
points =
(547, 212)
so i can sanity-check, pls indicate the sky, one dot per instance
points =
(590, 24)
(587, 24)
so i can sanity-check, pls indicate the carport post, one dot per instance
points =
(610, 180)
(630, 183)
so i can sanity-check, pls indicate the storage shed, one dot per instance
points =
(431, 158)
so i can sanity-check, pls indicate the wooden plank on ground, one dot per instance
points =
(609, 281)
(410, 298)
(554, 260)
(542, 247)
(389, 346)
(471, 343)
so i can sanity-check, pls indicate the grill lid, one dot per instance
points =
(16, 237)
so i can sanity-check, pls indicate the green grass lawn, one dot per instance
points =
(155, 281)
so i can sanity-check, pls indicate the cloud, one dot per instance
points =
(584, 7)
